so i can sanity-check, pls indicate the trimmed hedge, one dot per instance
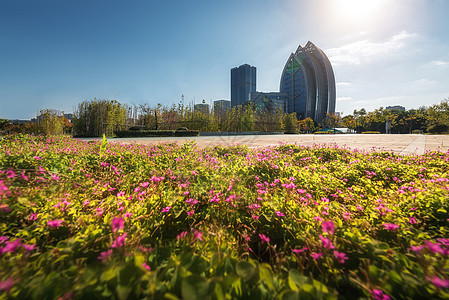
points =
(155, 133)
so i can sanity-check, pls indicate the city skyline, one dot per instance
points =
(57, 54)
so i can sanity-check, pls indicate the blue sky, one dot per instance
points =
(58, 53)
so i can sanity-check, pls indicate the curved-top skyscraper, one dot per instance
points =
(309, 83)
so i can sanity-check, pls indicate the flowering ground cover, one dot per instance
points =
(93, 220)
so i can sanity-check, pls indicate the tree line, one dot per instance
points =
(97, 117)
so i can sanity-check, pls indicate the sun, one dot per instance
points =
(359, 9)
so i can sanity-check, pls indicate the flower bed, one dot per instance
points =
(97, 220)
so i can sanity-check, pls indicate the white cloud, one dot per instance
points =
(343, 84)
(439, 63)
(366, 50)
(344, 99)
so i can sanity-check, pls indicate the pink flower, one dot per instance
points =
(340, 256)
(55, 223)
(29, 248)
(379, 295)
(5, 207)
(197, 235)
(439, 282)
(127, 214)
(166, 209)
(104, 255)
(182, 235)
(36, 157)
(146, 266)
(54, 177)
(264, 238)
(86, 203)
(121, 194)
(119, 241)
(328, 226)
(7, 284)
(390, 226)
(11, 246)
(255, 217)
(297, 251)
(99, 211)
(434, 247)
(145, 184)
(279, 214)
(326, 243)
(316, 256)
(117, 224)
(318, 218)
(23, 176)
(190, 213)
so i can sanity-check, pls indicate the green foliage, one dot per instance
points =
(98, 220)
(98, 117)
(290, 123)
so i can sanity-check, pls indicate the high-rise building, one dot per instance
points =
(269, 102)
(243, 82)
(201, 107)
(221, 106)
(309, 82)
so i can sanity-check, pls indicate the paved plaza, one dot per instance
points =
(398, 143)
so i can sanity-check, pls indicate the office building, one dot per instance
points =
(243, 82)
(221, 106)
(270, 102)
(309, 83)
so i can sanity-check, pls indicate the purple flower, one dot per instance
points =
(117, 224)
(341, 257)
(264, 238)
(55, 223)
(328, 226)
(390, 226)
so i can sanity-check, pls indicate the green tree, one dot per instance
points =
(291, 124)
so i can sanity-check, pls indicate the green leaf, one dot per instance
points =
(296, 279)
(194, 287)
(245, 270)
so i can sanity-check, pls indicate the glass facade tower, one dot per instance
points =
(309, 83)
(243, 82)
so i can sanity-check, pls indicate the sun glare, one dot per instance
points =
(359, 9)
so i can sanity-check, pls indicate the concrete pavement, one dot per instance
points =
(404, 144)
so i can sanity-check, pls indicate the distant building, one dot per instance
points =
(69, 117)
(271, 101)
(309, 82)
(243, 82)
(221, 106)
(202, 107)
(396, 107)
